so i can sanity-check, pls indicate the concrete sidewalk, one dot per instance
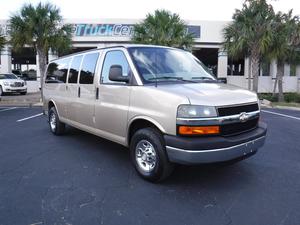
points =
(30, 99)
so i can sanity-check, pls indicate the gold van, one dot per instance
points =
(161, 102)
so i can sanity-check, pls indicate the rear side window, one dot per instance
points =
(74, 69)
(57, 71)
(88, 68)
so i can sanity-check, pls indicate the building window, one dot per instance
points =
(293, 69)
(235, 67)
(264, 69)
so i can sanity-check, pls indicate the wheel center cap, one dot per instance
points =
(144, 157)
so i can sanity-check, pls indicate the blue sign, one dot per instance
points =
(118, 30)
(125, 30)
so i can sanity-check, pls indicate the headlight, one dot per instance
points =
(195, 111)
(6, 83)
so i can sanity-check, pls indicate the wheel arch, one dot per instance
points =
(51, 103)
(139, 123)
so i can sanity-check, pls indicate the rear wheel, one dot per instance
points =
(148, 155)
(56, 127)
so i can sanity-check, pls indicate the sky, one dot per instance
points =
(137, 9)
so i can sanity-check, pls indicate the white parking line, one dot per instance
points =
(2, 110)
(30, 117)
(280, 114)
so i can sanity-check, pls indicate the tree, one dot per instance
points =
(2, 41)
(285, 46)
(250, 34)
(40, 27)
(163, 28)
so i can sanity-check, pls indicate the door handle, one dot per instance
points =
(78, 92)
(97, 93)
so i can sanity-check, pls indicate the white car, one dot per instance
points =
(10, 83)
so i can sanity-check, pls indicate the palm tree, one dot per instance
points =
(285, 46)
(163, 28)
(2, 42)
(250, 34)
(40, 27)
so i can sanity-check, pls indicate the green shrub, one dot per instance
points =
(292, 97)
(268, 96)
(288, 97)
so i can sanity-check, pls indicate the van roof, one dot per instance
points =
(111, 47)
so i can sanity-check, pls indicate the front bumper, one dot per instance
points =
(195, 150)
(14, 89)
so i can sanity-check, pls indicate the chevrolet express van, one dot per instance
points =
(160, 102)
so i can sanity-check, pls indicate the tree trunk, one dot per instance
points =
(275, 85)
(255, 71)
(42, 64)
(280, 72)
(249, 74)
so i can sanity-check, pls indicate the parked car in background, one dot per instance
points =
(160, 102)
(29, 74)
(18, 73)
(10, 83)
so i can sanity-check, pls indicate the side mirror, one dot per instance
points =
(116, 74)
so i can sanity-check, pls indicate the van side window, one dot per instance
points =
(115, 57)
(88, 68)
(74, 69)
(57, 71)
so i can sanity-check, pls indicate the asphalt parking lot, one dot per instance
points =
(79, 178)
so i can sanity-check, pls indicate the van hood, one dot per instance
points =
(210, 94)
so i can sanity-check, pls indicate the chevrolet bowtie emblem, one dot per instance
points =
(244, 117)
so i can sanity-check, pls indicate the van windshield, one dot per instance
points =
(167, 64)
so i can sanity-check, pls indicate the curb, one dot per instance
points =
(20, 104)
(286, 107)
(280, 107)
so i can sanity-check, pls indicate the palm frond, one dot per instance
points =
(40, 27)
(163, 28)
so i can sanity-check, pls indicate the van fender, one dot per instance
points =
(149, 119)
(51, 100)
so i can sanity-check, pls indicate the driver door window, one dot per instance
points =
(115, 57)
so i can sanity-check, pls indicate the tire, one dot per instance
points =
(56, 126)
(149, 142)
(1, 91)
(23, 93)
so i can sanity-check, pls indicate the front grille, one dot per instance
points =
(237, 128)
(234, 110)
(17, 84)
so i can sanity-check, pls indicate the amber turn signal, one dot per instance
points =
(203, 130)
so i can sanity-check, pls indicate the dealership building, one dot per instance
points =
(207, 47)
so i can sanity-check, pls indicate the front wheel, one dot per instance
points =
(56, 126)
(148, 155)
(1, 91)
(23, 93)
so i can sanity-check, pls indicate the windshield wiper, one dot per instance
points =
(202, 78)
(170, 77)
(165, 78)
